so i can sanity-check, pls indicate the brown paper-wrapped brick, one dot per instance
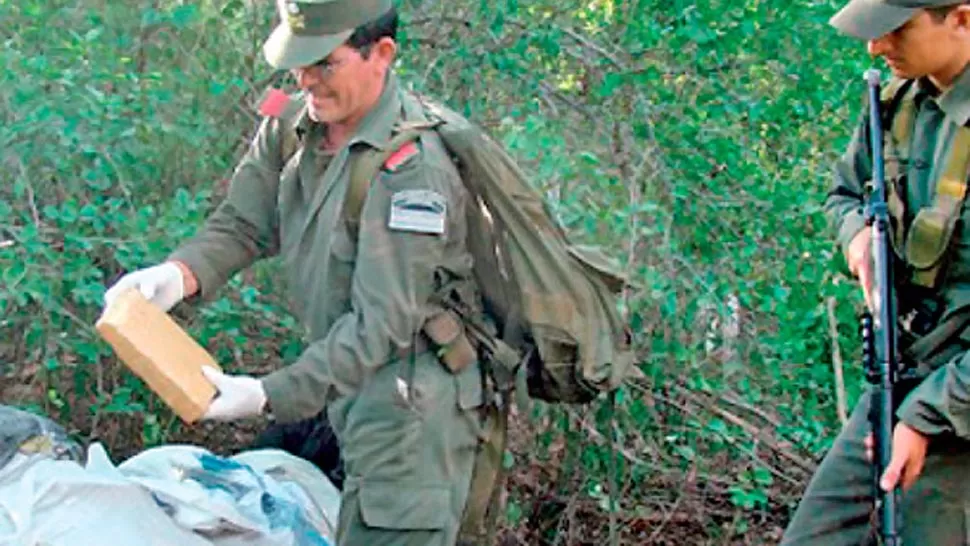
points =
(158, 351)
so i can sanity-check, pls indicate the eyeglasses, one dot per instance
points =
(328, 67)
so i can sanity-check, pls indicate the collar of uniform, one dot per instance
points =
(302, 123)
(375, 129)
(955, 102)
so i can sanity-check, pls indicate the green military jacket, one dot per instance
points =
(362, 301)
(941, 403)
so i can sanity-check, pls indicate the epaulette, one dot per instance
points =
(273, 103)
(401, 156)
(276, 103)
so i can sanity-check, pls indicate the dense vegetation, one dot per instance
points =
(693, 139)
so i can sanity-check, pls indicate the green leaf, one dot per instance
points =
(51, 213)
(611, 82)
(589, 157)
(94, 34)
(763, 477)
(498, 22)
(184, 15)
(508, 460)
(232, 8)
(150, 17)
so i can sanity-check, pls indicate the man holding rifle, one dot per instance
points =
(924, 112)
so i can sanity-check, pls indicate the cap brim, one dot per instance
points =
(870, 19)
(285, 50)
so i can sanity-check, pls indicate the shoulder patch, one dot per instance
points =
(401, 156)
(420, 211)
(274, 103)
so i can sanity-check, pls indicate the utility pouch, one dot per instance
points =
(453, 346)
(926, 247)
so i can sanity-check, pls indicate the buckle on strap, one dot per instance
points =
(508, 370)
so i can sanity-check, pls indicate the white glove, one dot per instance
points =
(162, 285)
(239, 396)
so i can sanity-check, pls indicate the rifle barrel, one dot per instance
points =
(883, 376)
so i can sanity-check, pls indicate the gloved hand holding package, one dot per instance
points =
(158, 351)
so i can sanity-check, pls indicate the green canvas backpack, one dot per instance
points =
(553, 303)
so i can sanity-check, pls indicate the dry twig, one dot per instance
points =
(837, 362)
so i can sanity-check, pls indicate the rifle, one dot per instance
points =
(879, 329)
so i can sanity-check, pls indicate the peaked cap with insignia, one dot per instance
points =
(310, 30)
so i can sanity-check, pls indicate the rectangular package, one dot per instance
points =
(158, 351)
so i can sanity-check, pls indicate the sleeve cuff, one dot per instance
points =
(208, 278)
(280, 396)
(922, 416)
(852, 224)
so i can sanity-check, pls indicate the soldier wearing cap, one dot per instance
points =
(408, 427)
(926, 44)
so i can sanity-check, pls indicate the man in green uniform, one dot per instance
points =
(408, 426)
(926, 43)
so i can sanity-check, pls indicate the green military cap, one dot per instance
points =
(870, 19)
(309, 30)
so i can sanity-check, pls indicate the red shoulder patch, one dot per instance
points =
(274, 103)
(401, 156)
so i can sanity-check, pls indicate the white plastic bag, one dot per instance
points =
(171, 495)
(230, 501)
(60, 503)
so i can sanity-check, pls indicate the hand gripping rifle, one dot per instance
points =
(879, 328)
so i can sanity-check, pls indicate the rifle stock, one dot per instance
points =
(879, 330)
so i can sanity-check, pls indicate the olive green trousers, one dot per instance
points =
(409, 441)
(836, 509)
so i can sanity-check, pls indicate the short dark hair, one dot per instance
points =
(939, 13)
(370, 33)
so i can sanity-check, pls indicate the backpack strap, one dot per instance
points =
(501, 366)
(899, 113)
(930, 236)
(479, 518)
(366, 164)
